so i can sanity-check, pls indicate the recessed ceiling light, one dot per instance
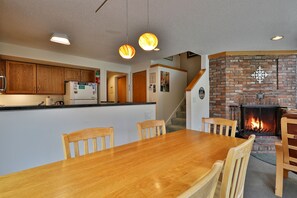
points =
(157, 49)
(276, 38)
(60, 38)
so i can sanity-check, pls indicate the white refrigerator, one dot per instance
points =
(80, 93)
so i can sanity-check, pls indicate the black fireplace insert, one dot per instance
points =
(260, 119)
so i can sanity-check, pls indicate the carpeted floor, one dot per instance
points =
(264, 149)
(266, 157)
(260, 181)
(260, 178)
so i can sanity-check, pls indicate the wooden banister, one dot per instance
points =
(195, 80)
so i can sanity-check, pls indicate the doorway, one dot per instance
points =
(139, 86)
(122, 91)
(116, 87)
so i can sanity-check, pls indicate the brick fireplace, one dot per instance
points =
(232, 84)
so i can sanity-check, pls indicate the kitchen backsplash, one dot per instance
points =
(24, 100)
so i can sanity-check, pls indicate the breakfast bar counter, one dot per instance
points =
(31, 107)
(31, 136)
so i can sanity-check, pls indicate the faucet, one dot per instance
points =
(42, 102)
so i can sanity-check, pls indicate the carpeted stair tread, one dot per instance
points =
(181, 114)
(183, 107)
(172, 128)
(179, 121)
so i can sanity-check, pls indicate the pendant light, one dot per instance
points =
(148, 41)
(127, 51)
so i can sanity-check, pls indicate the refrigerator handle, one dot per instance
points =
(3, 88)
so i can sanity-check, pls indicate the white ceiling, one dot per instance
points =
(201, 26)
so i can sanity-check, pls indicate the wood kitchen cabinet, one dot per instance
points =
(83, 75)
(87, 75)
(50, 80)
(72, 74)
(31, 78)
(21, 77)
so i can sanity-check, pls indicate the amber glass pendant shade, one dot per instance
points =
(127, 51)
(148, 41)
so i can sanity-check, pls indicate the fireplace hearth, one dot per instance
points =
(261, 120)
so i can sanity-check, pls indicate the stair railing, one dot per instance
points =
(173, 115)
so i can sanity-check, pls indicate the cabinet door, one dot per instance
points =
(72, 74)
(87, 75)
(50, 79)
(21, 78)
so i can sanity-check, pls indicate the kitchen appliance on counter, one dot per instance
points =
(80, 93)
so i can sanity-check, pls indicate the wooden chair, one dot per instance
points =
(219, 126)
(151, 128)
(286, 153)
(84, 135)
(205, 188)
(232, 185)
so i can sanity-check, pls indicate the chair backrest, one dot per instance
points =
(85, 135)
(235, 170)
(220, 126)
(151, 128)
(289, 139)
(205, 187)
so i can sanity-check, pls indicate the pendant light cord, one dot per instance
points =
(148, 15)
(127, 37)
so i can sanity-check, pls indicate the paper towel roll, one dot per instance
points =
(48, 101)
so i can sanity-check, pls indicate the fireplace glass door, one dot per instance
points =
(259, 119)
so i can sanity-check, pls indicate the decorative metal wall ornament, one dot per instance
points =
(259, 74)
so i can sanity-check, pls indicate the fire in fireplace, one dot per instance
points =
(260, 119)
(257, 124)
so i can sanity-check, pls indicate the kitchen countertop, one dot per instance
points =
(33, 107)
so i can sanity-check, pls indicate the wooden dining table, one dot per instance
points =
(162, 166)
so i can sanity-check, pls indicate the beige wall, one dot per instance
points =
(175, 62)
(192, 65)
